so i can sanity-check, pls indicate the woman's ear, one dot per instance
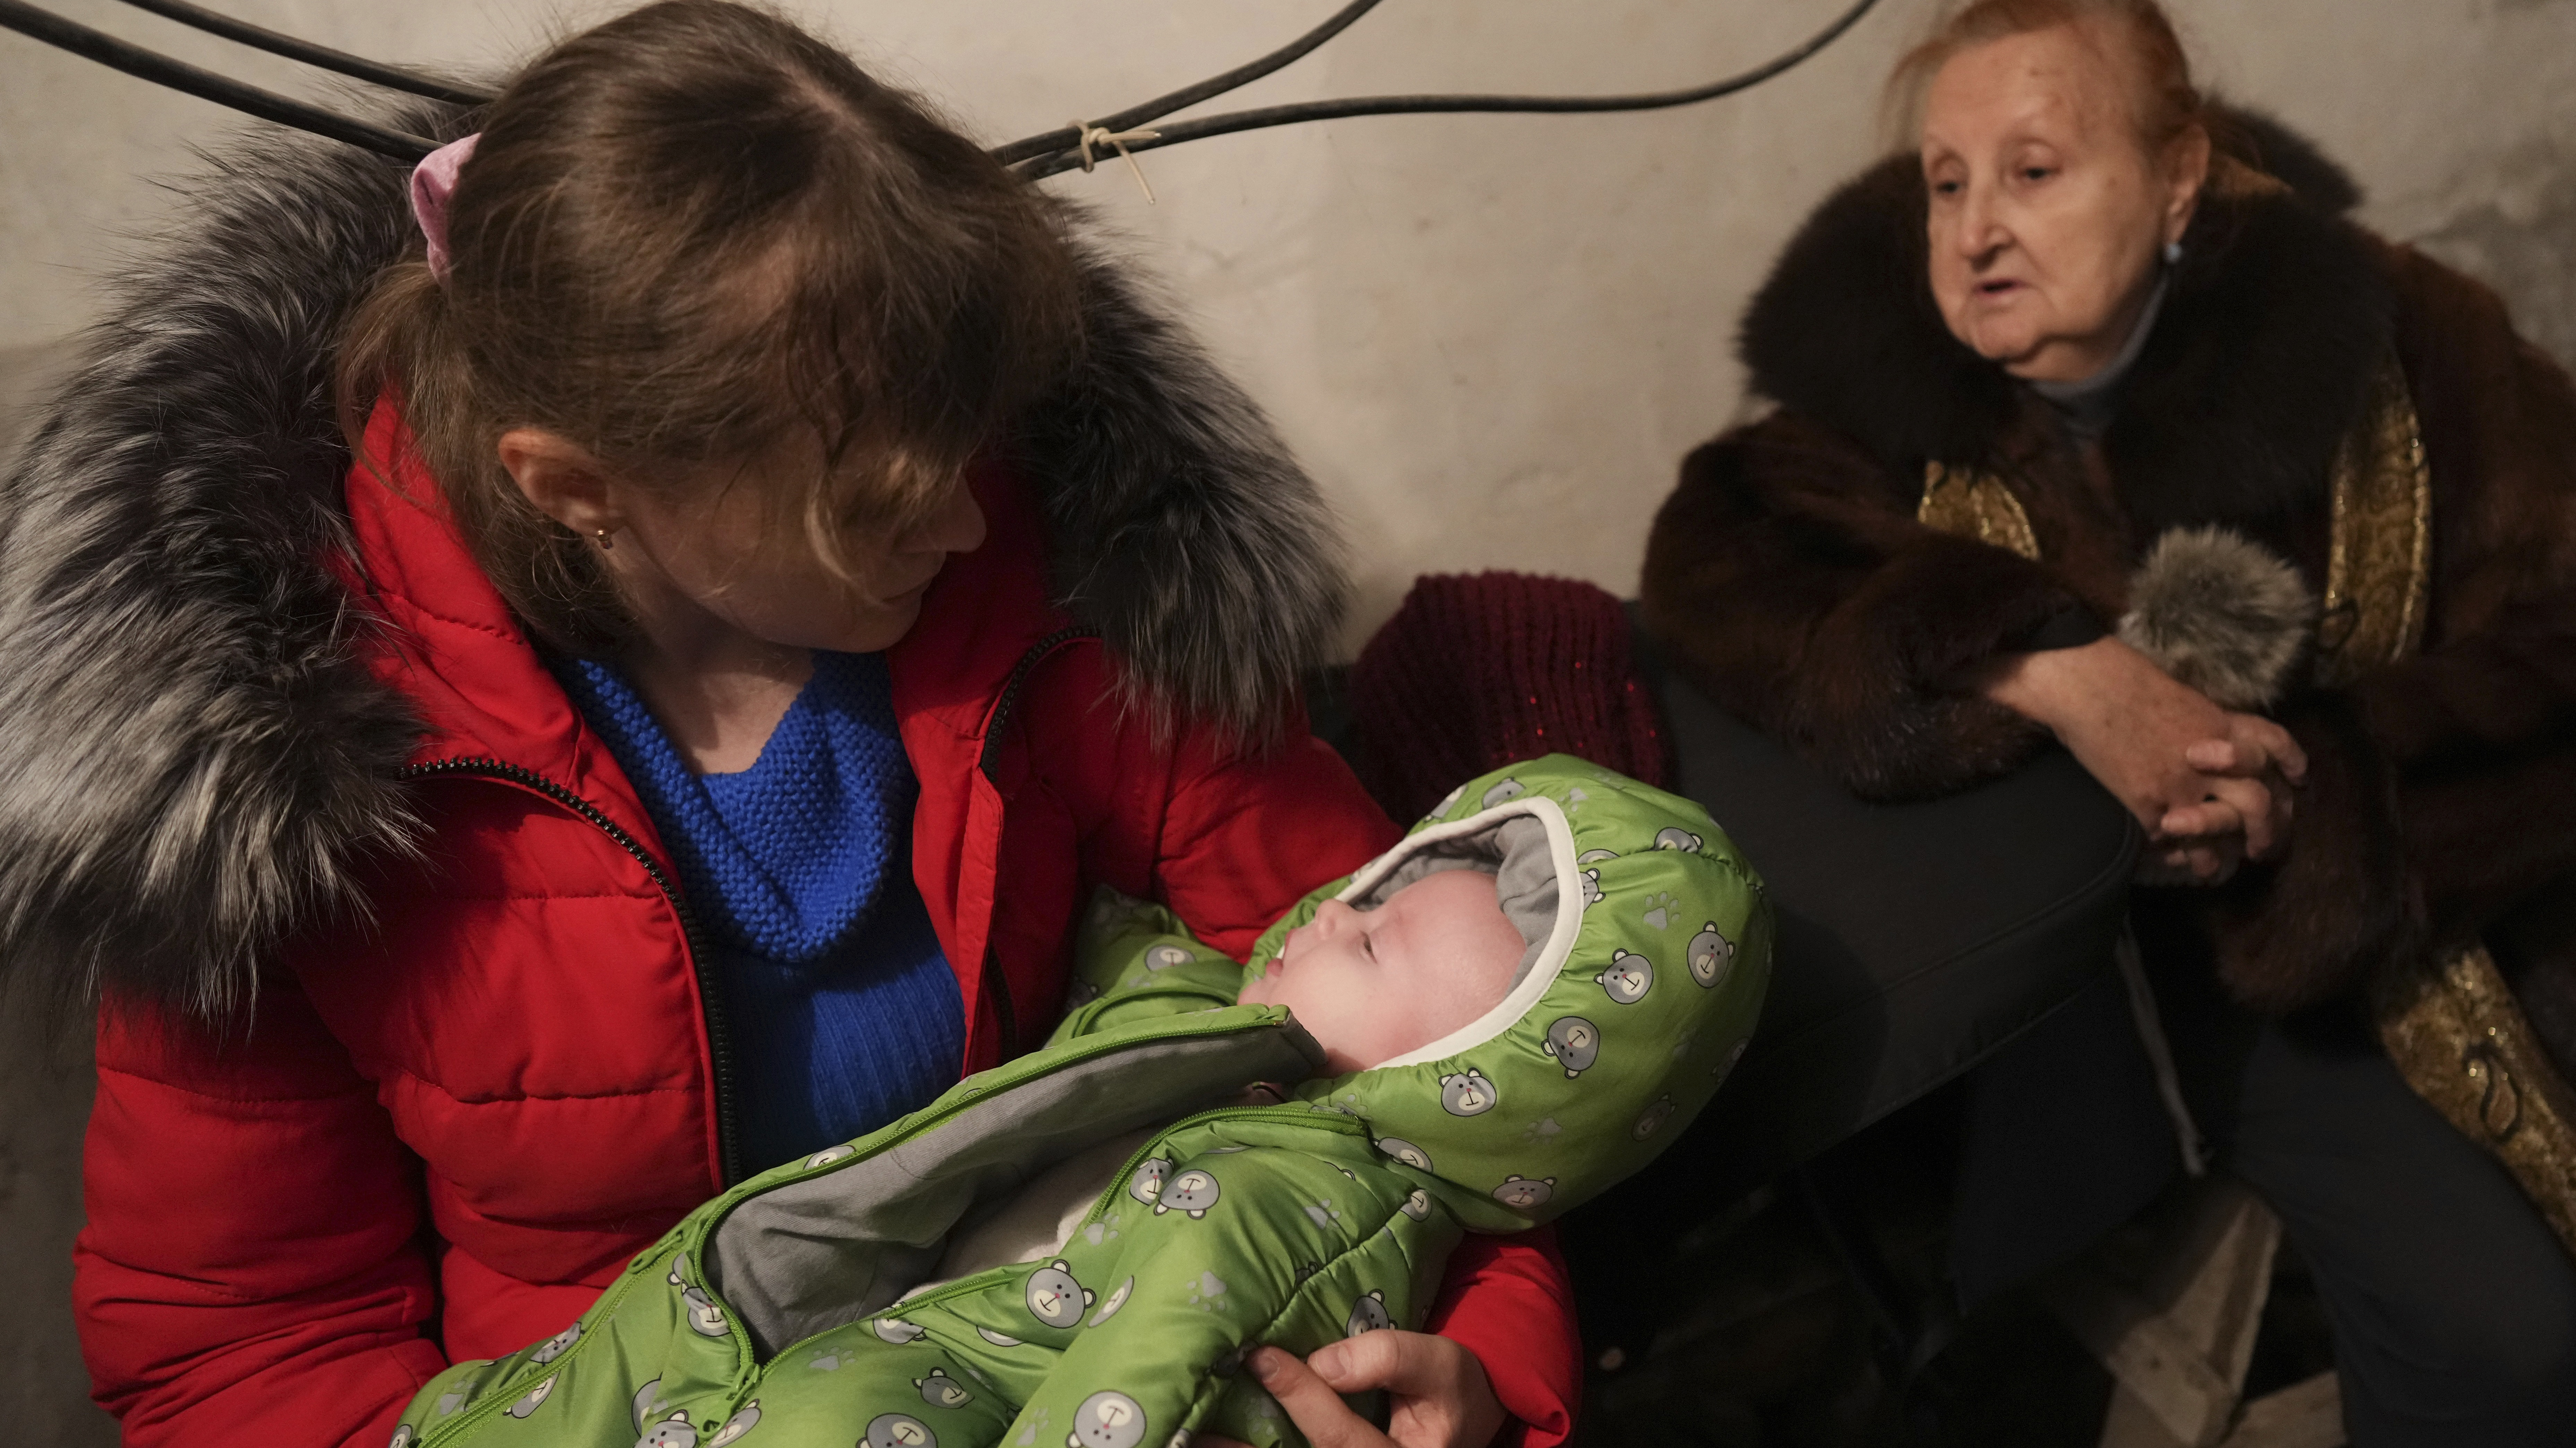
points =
(563, 481)
(2186, 173)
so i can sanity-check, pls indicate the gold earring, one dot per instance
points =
(605, 542)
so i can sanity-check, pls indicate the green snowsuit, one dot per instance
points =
(779, 1309)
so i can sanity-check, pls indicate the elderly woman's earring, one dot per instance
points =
(2173, 253)
(605, 542)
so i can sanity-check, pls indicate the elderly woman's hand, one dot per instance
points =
(2211, 787)
(2256, 749)
(1441, 1397)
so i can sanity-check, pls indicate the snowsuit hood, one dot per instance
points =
(1648, 952)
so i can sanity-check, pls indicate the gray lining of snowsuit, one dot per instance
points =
(812, 1255)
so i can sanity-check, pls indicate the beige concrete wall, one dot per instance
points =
(1491, 337)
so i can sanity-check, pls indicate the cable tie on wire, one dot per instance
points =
(1092, 135)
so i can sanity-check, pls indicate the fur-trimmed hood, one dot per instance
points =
(196, 756)
(2261, 358)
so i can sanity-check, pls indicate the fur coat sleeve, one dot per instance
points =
(1789, 574)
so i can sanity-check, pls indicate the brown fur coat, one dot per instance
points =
(1788, 576)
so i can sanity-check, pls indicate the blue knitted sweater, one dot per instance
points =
(844, 1012)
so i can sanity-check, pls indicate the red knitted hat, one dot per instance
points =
(1476, 671)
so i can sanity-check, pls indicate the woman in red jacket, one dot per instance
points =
(780, 580)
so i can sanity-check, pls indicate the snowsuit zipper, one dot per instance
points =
(710, 994)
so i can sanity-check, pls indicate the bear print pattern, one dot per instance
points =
(1107, 1419)
(1520, 1193)
(648, 1401)
(1467, 1094)
(531, 1400)
(1591, 888)
(1147, 1184)
(1368, 1314)
(1405, 1151)
(705, 1318)
(1653, 1119)
(403, 1437)
(1164, 957)
(557, 1345)
(1628, 978)
(673, 1432)
(940, 1390)
(1054, 1298)
(1676, 838)
(1117, 1300)
(737, 1425)
(1574, 1042)
(1193, 1191)
(899, 1430)
(897, 1331)
(831, 1154)
(1710, 954)
(1505, 790)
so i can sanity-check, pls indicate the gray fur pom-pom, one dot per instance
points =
(2220, 613)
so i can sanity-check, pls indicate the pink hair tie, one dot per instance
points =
(431, 182)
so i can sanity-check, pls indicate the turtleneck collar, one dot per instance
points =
(2088, 403)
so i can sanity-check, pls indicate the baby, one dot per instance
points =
(1507, 1012)
(1368, 985)
(1371, 985)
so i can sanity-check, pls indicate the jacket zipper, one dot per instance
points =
(710, 995)
(996, 986)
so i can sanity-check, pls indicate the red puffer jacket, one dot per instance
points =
(404, 1048)
(453, 1124)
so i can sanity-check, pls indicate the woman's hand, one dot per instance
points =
(2211, 838)
(2210, 786)
(1440, 1396)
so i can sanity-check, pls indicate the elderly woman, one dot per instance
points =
(2099, 423)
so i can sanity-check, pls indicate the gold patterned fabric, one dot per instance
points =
(2448, 1018)
(2460, 1039)
(2379, 565)
(1977, 505)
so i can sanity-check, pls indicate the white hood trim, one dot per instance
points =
(1526, 992)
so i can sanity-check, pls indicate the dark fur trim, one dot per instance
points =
(1872, 687)
(194, 758)
(2276, 150)
(195, 761)
(1846, 331)
(1180, 525)
(2261, 360)
(2220, 613)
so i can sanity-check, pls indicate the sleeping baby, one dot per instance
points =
(1504, 1014)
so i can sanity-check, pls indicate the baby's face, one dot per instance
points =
(1372, 985)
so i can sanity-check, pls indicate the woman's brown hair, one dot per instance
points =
(689, 236)
(2164, 103)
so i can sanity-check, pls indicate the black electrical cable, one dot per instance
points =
(392, 77)
(1033, 156)
(1172, 135)
(134, 60)
(1066, 138)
